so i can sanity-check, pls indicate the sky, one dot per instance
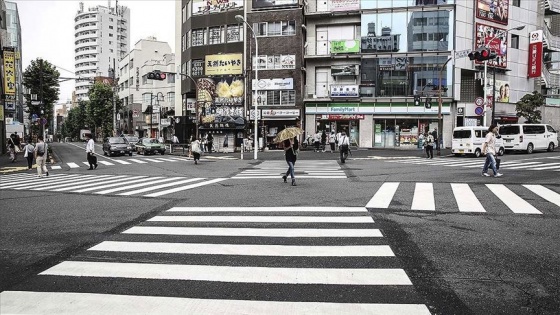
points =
(47, 28)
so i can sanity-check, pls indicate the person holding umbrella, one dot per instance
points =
(289, 139)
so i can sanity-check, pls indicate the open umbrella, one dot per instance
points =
(288, 133)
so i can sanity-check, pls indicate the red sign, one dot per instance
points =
(535, 54)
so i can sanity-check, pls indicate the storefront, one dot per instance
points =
(271, 122)
(376, 125)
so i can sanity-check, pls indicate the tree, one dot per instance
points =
(76, 121)
(529, 105)
(99, 110)
(41, 78)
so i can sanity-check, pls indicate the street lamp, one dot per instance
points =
(240, 19)
(500, 33)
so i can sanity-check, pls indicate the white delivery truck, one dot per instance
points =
(469, 141)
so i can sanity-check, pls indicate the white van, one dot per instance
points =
(529, 137)
(469, 140)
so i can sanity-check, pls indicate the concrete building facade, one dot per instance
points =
(140, 96)
(102, 38)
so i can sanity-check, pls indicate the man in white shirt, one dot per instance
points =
(344, 147)
(90, 151)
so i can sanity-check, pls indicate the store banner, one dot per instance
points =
(223, 64)
(274, 84)
(345, 91)
(273, 4)
(493, 10)
(214, 6)
(344, 70)
(345, 5)
(535, 54)
(345, 46)
(280, 112)
(9, 73)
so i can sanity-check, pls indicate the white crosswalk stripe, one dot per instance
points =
(122, 185)
(525, 164)
(303, 169)
(517, 199)
(125, 161)
(277, 267)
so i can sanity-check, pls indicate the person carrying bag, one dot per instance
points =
(344, 147)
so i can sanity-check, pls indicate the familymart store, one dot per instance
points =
(377, 125)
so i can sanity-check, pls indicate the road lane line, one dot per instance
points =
(93, 303)
(466, 199)
(383, 196)
(98, 178)
(175, 183)
(74, 182)
(169, 191)
(153, 160)
(35, 182)
(423, 197)
(157, 181)
(246, 250)
(74, 165)
(235, 274)
(105, 162)
(513, 201)
(115, 182)
(267, 219)
(545, 193)
(138, 161)
(253, 232)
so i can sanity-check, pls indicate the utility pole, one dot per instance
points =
(113, 85)
(43, 111)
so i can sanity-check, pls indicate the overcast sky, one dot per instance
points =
(48, 29)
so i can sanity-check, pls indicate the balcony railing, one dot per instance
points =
(551, 80)
(551, 5)
(550, 40)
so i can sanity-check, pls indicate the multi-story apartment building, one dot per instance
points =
(102, 38)
(147, 104)
(360, 66)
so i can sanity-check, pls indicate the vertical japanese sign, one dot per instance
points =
(9, 72)
(535, 54)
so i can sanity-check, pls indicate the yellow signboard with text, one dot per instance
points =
(9, 73)
(223, 64)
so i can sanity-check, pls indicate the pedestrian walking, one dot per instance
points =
(343, 147)
(317, 141)
(337, 138)
(90, 152)
(489, 149)
(436, 139)
(210, 143)
(28, 151)
(332, 141)
(323, 140)
(41, 153)
(12, 149)
(291, 147)
(196, 149)
(429, 145)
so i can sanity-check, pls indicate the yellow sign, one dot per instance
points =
(9, 73)
(223, 64)
(1, 113)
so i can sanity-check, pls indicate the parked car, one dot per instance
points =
(117, 146)
(132, 141)
(149, 146)
(529, 137)
(469, 140)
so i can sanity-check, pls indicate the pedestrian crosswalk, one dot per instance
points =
(466, 198)
(125, 161)
(207, 260)
(546, 163)
(329, 169)
(118, 185)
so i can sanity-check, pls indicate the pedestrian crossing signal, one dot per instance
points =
(428, 102)
(157, 75)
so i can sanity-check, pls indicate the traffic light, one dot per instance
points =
(416, 100)
(482, 54)
(157, 75)
(428, 102)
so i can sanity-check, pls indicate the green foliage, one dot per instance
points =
(529, 105)
(76, 121)
(41, 78)
(99, 110)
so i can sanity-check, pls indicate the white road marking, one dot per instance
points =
(175, 183)
(268, 219)
(253, 232)
(465, 198)
(513, 201)
(545, 193)
(176, 189)
(423, 197)
(383, 196)
(268, 209)
(138, 161)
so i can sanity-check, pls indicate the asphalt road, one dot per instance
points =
(504, 260)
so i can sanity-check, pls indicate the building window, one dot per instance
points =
(276, 98)
(279, 28)
(272, 62)
(171, 97)
(110, 19)
(516, 3)
(183, 42)
(215, 35)
(198, 37)
(110, 34)
(514, 41)
(234, 33)
(146, 98)
(110, 27)
(184, 14)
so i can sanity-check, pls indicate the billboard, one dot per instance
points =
(535, 54)
(9, 72)
(494, 38)
(344, 70)
(344, 91)
(272, 4)
(345, 5)
(220, 101)
(345, 46)
(214, 6)
(493, 10)
(223, 64)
